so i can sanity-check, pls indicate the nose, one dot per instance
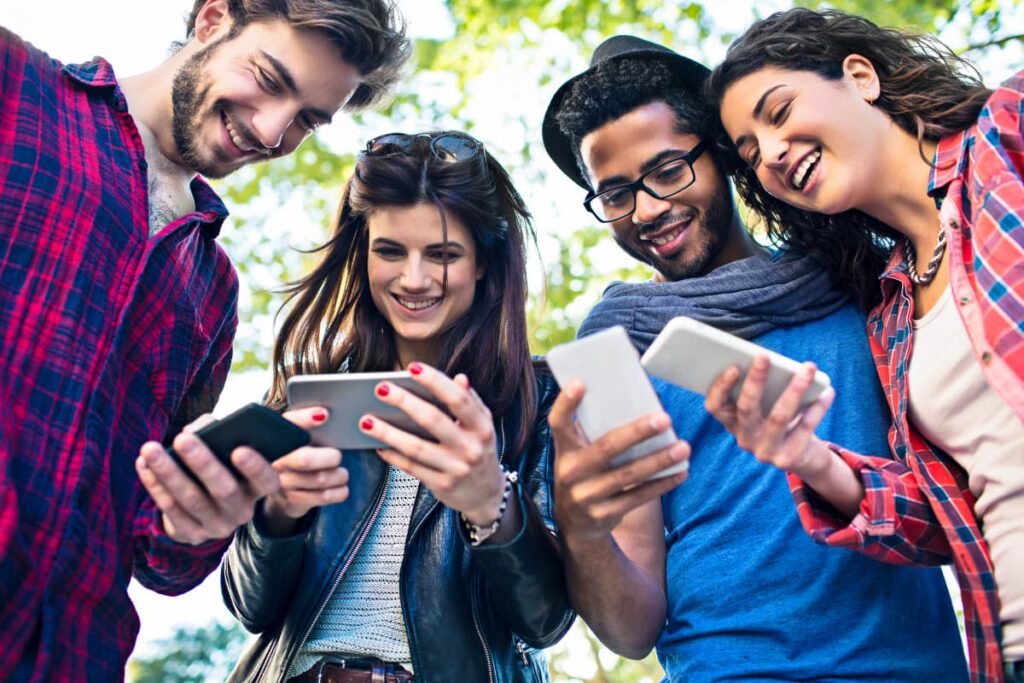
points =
(415, 275)
(774, 151)
(648, 207)
(271, 123)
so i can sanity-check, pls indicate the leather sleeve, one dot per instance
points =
(525, 578)
(260, 573)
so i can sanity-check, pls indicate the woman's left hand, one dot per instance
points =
(462, 468)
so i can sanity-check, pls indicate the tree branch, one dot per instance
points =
(992, 43)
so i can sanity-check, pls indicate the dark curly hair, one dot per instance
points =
(370, 34)
(926, 89)
(616, 87)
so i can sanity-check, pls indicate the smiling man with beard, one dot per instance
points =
(716, 571)
(118, 308)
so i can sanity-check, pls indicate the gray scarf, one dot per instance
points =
(747, 298)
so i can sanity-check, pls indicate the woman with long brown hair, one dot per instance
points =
(882, 154)
(440, 564)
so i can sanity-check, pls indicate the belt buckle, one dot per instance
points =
(324, 661)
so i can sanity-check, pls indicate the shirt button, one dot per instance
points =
(143, 165)
(964, 300)
(986, 357)
(955, 224)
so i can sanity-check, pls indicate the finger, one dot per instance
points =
(199, 422)
(459, 397)
(309, 459)
(313, 481)
(258, 474)
(718, 400)
(426, 415)
(411, 447)
(617, 506)
(188, 494)
(635, 473)
(178, 524)
(748, 403)
(813, 415)
(318, 497)
(787, 406)
(431, 478)
(564, 429)
(307, 418)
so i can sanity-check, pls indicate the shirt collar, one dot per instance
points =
(949, 163)
(98, 73)
(209, 205)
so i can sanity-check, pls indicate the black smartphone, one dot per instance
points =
(253, 425)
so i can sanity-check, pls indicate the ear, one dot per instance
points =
(213, 20)
(861, 72)
(481, 270)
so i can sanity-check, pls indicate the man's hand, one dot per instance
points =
(213, 508)
(591, 495)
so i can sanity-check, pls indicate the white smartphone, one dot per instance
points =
(691, 354)
(349, 396)
(618, 389)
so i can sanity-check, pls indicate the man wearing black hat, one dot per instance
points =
(718, 572)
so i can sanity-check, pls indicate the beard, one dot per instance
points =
(189, 92)
(712, 229)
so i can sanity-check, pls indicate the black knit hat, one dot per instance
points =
(558, 144)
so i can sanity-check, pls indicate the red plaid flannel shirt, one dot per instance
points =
(108, 337)
(918, 508)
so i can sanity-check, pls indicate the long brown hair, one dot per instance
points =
(332, 323)
(926, 89)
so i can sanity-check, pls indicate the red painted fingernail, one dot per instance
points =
(320, 416)
(366, 424)
(415, 368)
(383, 390)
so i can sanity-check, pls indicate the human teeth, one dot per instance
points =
(803, 171)
(235, 139)
(417, 305)
(665, 239)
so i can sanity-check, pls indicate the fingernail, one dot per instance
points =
(678, 451)
(415, 368)
(383, 390)
(660, 421)
(320, 416)
(366, 424)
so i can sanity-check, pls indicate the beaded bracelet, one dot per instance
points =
(479, 534)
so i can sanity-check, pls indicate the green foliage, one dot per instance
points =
(191, 656)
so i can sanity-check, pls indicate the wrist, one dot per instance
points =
(479, 532)
(491, 509)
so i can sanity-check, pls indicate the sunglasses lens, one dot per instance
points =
(393, 143)
(454, 148)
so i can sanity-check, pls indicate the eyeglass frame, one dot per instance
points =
(477, 146)
(689, 157)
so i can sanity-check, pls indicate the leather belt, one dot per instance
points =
(355, 672)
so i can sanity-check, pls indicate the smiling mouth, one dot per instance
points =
(416, 304)
(662, 238)
(798, 179)
(241, 141)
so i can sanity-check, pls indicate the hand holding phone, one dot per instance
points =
(253, 425)
(618, 390)
(691, 354)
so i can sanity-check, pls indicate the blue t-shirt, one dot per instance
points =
(750, 596)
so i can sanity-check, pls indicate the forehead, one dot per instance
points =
(419, 224)
(742, 96)
(321, 74)
(622, 146)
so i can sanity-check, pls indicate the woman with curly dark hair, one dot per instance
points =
(881, 153)
(439, 563)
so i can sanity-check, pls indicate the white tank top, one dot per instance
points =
(954, 407)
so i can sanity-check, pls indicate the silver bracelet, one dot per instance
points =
(479, 534)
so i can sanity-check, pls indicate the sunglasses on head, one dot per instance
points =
(448, 147)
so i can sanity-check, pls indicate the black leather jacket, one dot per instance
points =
(471, 614)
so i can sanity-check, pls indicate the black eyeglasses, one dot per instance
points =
(661, 182)
(449, 147)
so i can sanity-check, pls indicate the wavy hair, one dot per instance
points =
(926, 89)
(370, 34)
(333, 324)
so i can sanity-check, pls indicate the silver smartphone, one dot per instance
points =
(350, 396)
(690, 354)
(618, 390)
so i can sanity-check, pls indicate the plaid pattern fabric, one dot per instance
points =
(918, 508)
(109, 337)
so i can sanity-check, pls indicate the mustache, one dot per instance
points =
(654, 227)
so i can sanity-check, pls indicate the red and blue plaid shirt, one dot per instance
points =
(110, 337)
(918, 508)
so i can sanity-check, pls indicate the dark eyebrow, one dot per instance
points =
(384, 241)
(289, 82)
(657, 160)
(741, 140)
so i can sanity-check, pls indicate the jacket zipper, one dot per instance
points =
(521, 649)
(476, 583)
(351, 557)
